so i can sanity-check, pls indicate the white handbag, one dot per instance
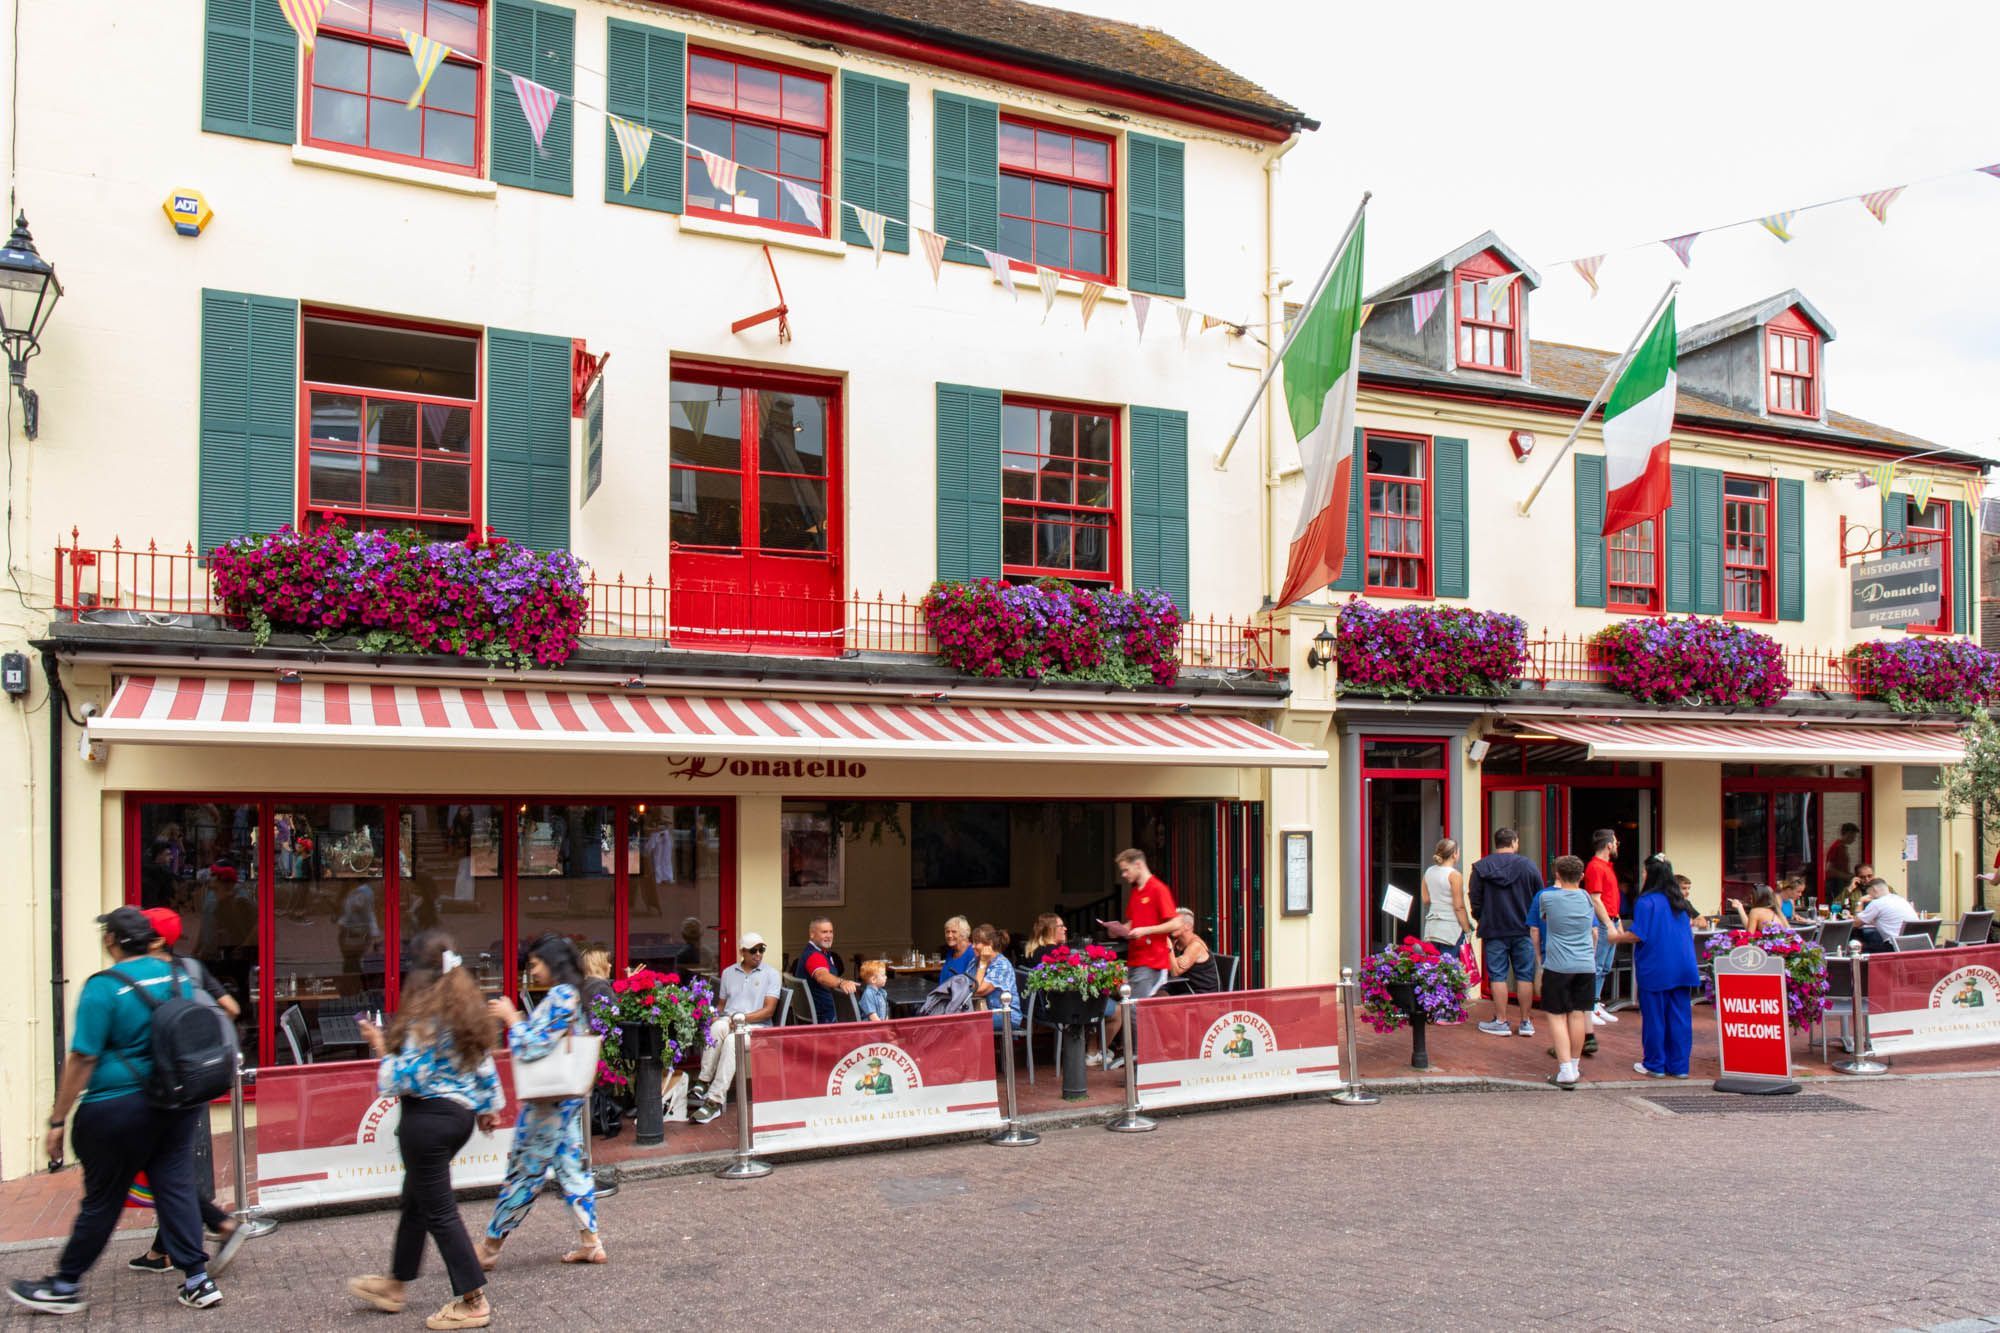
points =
(568, 1070)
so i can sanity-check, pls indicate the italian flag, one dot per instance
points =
(1322, 375)
(1638, 429)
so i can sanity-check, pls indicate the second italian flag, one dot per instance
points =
(1638, 430)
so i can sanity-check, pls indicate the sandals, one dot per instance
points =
(589, 1250)
(457, 1314)
(383, 1293)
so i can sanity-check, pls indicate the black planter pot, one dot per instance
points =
(1072, 1013)
(1066, 1007)
(645, 1043)
(1403, 995)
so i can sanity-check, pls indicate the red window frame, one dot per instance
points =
(338, 24)
(1740, 539)
(1019, 510)
(1421, 488)
(1108, 187)
(1921, 536)
(1791, 333)
(1625, 553)
(779, 124)
(1502, 328)
(391, 876)
(310, 511)
(748, 382)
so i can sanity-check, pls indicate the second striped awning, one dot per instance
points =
(1798, 741)
(238, 710)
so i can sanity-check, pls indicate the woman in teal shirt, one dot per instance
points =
(1661, 933)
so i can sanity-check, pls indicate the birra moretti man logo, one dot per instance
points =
(871, 1073)
(1968, 988)
(1238, 1035)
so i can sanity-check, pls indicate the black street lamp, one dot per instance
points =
(1321, 653)
(28, 295)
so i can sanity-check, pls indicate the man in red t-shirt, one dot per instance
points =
(1150, 918)
(1600, 881)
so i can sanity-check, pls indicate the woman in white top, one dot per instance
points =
(1447, 921)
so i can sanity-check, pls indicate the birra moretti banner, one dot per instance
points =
(1214, 1048)
(859, 1082)
(1934, 999)
(325, 1135)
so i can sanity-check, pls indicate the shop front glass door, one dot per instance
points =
(450, 858)
(200, 859)
(566, 877)
(330, 937)
(1405, 821)
(673, 867)
(1525, 810)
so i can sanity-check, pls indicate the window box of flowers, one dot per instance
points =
(482, 598)
(1806, 990)
(1414, 652)
(1051, 630)
(1691, 660)
(1925, 675)
(1413, 983)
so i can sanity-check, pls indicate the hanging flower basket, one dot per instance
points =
(1412, 977)
(1072, 983)
(1926, 675)
(652, 1014)
(1692, 661)
(1415, 652)
(479, 598)
(1053, 631)
(1806, 990)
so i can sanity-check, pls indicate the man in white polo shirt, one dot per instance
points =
(749, 987)
(1883, 917)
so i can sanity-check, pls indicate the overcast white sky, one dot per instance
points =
(1573, 128)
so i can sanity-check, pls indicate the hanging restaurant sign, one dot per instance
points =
(1903, 588)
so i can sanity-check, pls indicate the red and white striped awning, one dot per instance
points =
(1797, 741)
(236, 710)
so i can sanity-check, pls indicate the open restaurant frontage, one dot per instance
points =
(308, 831)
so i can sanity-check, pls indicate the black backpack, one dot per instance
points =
(194, 1045)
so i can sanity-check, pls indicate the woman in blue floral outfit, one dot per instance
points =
(548, 1133)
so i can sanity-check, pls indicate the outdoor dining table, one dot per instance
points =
(906, 994)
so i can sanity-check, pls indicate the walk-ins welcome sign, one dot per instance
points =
(1750, 1022)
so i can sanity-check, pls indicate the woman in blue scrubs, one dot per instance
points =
(1661, 933)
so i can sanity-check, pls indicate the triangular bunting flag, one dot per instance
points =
(429, 53)
(721, 171)
(1051, 283)
(1683, 247)
(1993, 171)
(1975, 499)
(1142, 306)
(807, 199)
(1003, 269)
(1366, 311)
(1210, 322)
(1587, 270)
(1878, 202)
(1183, 314)
(696, 412)
(1884, 477)
(874, 226)
(304, 16)
(538, 104)
(1920, 492)
(1779, 224)
(933, 251)
(1497, 291)
(634, 141)
(1423, 305)
(1092, 293)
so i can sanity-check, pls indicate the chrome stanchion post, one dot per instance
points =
(239, 1161)
(745, 1167)
(1129, 1121)
(1864, 1061)
(1353, 1094)
(1011, 1135)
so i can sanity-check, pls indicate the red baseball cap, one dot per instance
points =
(166, 923)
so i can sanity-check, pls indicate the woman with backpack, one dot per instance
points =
(437, 1057)
(548, 1135)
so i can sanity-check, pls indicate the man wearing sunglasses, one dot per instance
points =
(749, 987)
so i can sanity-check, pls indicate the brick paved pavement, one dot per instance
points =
(1486, 1210)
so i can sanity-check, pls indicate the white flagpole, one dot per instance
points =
(1222, 457)
(1602, 390)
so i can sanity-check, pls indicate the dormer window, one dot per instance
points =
(1791, 366)
(1488, 335)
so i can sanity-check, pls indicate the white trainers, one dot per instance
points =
(1597, 1018)
(1602, 1015)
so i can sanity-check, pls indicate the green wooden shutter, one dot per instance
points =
(1895, 518)
(1708, 541)
(967, 175)
(1679, 545)
(1451, 544)
(1158, 512)
(527, 438)
(538, 42)
(249, 456)
(968, 482)
(1791, 549)
(249, 71)
(1354, 563)
(1590, 572)
(646, 83)
(1963, 569)
(875, 156)
(1155, 215)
